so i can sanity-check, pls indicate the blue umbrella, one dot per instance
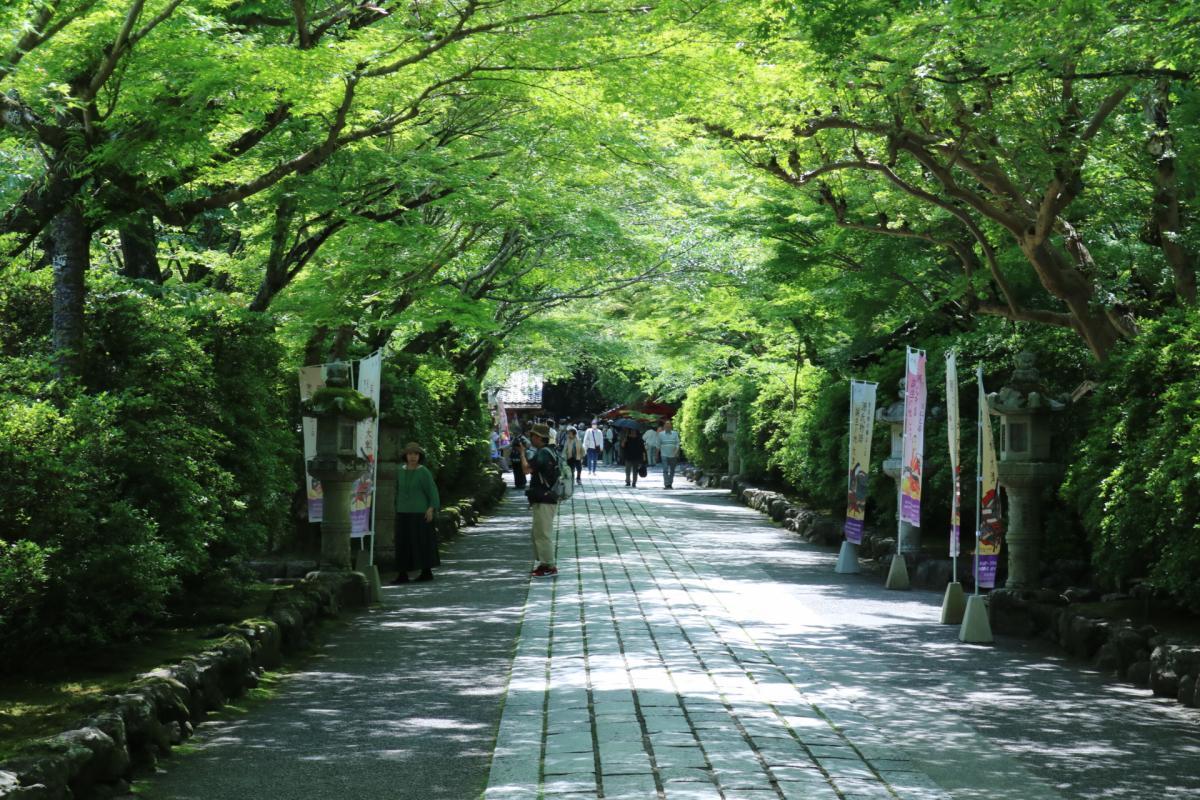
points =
(627, 423)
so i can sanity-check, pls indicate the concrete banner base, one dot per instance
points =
(898, 574)
(374, 585)
(847, 563)
(954, 604)
(976, 627)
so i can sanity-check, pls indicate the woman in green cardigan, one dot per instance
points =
(416, 503)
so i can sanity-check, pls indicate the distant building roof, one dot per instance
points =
(522, 390)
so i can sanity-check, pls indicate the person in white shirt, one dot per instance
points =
(650, 439)
(668, 446)
(593, 441)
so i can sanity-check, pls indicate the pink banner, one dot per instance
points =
(912, 464)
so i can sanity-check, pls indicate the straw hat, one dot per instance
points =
(412, 447)
(541, 430)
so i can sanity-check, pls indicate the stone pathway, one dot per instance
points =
(687, 650)
(633, 679)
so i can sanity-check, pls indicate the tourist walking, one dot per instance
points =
(634, 452)
(494, 439)
(518, 443)
(416, 503)
(650, 440)
(593, 443)
(540, 463)
(574, 452)
(668, 447)
(609, 446)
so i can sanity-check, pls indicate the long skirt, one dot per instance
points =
(416, 543)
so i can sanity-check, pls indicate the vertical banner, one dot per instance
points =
(501, 413)
(370, 371)
(862, 426)
(954, 437)
(311, 379)
(914, 437)
(990, 531)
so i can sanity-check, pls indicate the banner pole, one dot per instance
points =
(375, 470)
(978, 477)
(955, 487)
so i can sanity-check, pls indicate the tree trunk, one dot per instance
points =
(341, 343)
(1098, 326)
(139, 248)
(70, 261)
(1165, 213)
(425, 341)
(314, 348)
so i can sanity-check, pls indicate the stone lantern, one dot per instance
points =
(1025, 466)
(337, 465)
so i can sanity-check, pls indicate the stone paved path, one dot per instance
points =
(688, 650)
(635, 679)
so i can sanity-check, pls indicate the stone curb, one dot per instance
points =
(157, 711)
(98, 759)
(1134, 653)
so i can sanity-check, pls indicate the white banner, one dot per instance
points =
(954, 438)
(991, 532)
(311, 379)
(370, 373)
(862, 425)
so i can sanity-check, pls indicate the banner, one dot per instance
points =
(914, 438)
(862, 426)
(311, 379)
(501, 414)
(990, 532)
(954, 438)
(370, 371)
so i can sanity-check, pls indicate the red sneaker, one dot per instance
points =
(540, 571)
(551, 572)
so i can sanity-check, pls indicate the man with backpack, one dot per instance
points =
(542, 467)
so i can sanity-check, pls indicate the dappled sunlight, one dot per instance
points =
(688, 647)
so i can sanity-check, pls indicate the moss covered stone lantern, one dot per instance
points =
(1026, 411)
(337, 464)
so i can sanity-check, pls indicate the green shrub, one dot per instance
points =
(702, 419)
(164, 463)
(1135, 475)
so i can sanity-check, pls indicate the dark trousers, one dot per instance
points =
(577, 467)
(518, 475)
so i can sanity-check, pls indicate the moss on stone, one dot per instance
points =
(329, 401)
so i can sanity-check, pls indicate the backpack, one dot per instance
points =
(564, 487)
(561, 487)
